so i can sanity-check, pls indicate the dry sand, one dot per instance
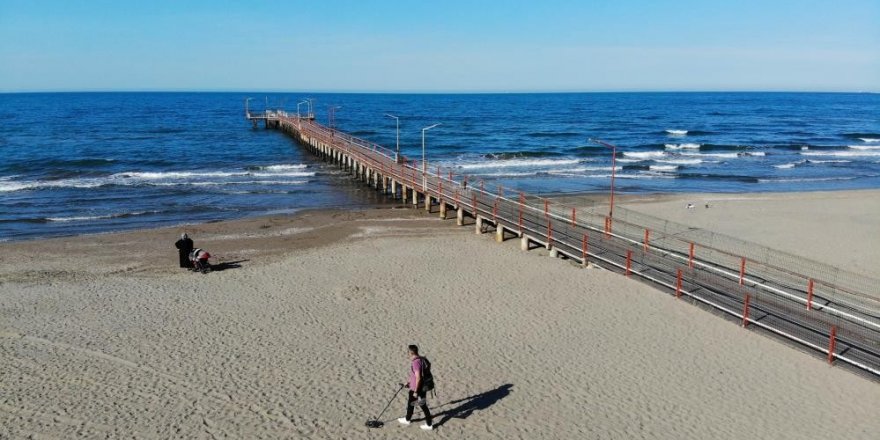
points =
(102, 336)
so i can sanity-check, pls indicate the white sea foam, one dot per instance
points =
(787, 166)
(718, 155)
(644, 155)
(677, 132)
(828, 161)
(864, 147)
(805, 148)
(282, 167)
(682, 146)
(856, 153)
(804, 179)
(681, 161)
(98, 217)
(869, 140)
(663, 167)
(8, 186)
(513, 163)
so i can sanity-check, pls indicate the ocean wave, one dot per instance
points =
(172, 175)
(9, 186)
(520, 155)
(277, 167)
(663, 167)
(511, 163)
(99, 217)
(682, 146)
(224, 183)
(676, 132)
(861, 135)
(870, 140)
(717, 155)
(856, 153)
(680, 161)
(804, 179)
(643, 155)
(864, 147)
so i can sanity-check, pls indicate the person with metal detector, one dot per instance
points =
(419, 383)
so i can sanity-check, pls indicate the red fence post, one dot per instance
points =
(831, 343)
(549, 233)
(629, 255)
(482, 186)
(501, 190)
(742, 270)
(474, 204)
(678, 284)
(607, 227)
(573, 216)
(456, 199)
(584, 248)
(746, 311)
(691, 257)
(450, 175)
(647, 237)
(810, 295)
(546, 208)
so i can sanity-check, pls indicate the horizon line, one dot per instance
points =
(432, 92)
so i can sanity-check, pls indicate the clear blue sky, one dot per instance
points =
(376, 46)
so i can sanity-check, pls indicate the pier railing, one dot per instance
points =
(828, 309)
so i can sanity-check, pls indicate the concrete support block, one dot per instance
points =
(393, 189)
(427, 202)
(553, 252)
(524, 242)
(443, 209)
(459, 216)
(415, 197)
(478, 226)
(499, 233)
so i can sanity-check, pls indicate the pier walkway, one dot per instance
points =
(830, 311)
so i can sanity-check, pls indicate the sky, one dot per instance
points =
(440, 46)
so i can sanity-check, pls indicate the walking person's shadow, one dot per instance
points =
(477, 402)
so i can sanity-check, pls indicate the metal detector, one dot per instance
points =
(375, 423)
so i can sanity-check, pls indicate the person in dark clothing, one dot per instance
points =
(417, 394)
(184, 247)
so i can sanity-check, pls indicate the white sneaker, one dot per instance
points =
(427, 427)
(403, 421)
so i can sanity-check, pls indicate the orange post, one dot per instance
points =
(678, 284)
(474, 204)
(691, 257)
(585, 248)
(647, 237)
(549, 233)
(501, 190)
(573, 216)
(810, 295)
(831, 343)
(456, 197)
(607, 226)
(746, 311)
(546, 208)
(742, 270)
(629, 255)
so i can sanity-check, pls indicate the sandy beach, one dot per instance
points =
(304, 334)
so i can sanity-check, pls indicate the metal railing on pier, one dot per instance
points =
(828, 309)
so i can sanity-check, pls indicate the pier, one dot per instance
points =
(825, 309)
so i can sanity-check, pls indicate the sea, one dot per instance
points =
(82, 163)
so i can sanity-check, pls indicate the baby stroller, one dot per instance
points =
(199, 258)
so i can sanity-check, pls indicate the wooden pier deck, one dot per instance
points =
(834, 313)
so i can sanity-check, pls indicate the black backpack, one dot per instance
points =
(427, 377)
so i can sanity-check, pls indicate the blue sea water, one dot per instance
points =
(73, 163)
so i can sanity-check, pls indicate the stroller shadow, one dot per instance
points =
(468, 405)
(227, 265)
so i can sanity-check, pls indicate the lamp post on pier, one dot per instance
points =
(246, 110)
(331, 114)
(305, 101)
(424, 163)
(397, 153)
(613, 169)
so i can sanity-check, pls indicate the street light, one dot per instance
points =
(613, 168)
(331, 114)
(246, 111)
(305, 101)
(396, 155)
(425, 164)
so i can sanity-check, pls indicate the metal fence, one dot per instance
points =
(828, 309)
